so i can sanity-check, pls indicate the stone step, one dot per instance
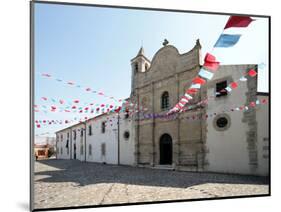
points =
(166, 167)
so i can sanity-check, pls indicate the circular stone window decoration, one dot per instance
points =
(222, 122)
(126, 135)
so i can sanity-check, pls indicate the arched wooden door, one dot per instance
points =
(166, 149)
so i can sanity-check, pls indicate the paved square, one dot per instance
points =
(63, 183)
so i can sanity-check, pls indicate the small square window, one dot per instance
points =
(220, 89)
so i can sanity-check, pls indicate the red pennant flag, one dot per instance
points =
(198, 80)
(38, 126)
(118, 109)
(177, 106)
(100, 93)
(264, 101)
(252, 104)
(102, 105)
(210, 62)
(44, 98)
(76, 101)
(192, 90)
(53, 107)
(86, 108)
(88, 89)
(252, 73)
(73, 107)
(234, 85)
(238, 21)
(61, 101)
(210, 58)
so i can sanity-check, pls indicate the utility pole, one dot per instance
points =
(118, 136)
(85, 134)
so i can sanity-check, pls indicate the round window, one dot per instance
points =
(222, 122)
(126, 135)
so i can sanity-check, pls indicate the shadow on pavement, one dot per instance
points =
(87, 173)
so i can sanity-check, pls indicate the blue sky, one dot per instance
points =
(93, 47)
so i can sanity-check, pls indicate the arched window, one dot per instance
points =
(165, 100)
(136, 67)
(74, 134)
(146, 67)
(67, 150)
(81, 150)
(90, 129)
(103, 127)
(90, 149)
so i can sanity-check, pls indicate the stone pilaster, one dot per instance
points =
(152, 153)
(176, 148)
(249, 117)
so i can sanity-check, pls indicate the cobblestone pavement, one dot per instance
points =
(63, 183)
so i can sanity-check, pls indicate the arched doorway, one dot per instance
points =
(166, 149)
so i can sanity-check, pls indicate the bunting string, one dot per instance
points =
(211, 65)
(200, 116)
(72, 83)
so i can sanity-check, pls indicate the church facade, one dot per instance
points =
(207, 137)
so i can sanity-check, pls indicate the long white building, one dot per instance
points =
(107, 138)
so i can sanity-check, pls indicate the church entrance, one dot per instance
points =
(166, 149)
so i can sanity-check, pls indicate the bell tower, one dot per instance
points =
(140, 64)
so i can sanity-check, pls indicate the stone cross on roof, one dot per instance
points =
(165, 43)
